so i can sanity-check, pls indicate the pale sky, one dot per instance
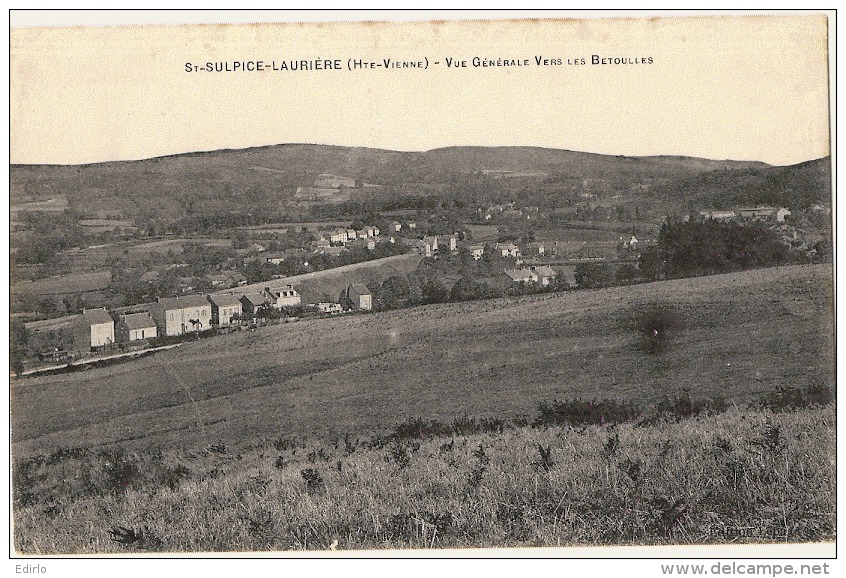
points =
(729, 87)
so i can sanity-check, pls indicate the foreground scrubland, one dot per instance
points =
(681, 475)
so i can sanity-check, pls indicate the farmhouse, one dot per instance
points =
(717, 215)
(522, 275)
(321, 245)
(136, 326)
(226, 280)
(281, 297)
(535, 249)
(545, 274)
(336, 237)
(180, 315)
(450, 241)
(507, 249)
(250, 303)
(476, 251)
(432, 241)
(763, 213)
(357, 297)
(333, 251)
(329, 308)
(224, 308)
(274, 258)
(93, 329)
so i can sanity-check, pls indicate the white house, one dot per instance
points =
(136, 326)
(224, 308)
(93, 329)
(284, 296)
(181, 315)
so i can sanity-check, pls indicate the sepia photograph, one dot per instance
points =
(410, 285)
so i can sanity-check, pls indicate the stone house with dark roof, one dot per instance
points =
(135, 327)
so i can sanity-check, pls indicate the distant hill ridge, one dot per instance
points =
(226, 180)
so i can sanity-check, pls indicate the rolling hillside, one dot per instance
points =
(234, 180)
(738, 336)
(798, 186)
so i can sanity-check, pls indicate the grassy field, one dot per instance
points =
(437, 427)
(738, 336)
(65, 284)
(738, 477)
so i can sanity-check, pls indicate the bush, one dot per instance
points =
(684, 407)
(593, 275)
(789, 398)
(656, 325)
(578, 412)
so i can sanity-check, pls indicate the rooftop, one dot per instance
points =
(138, 320)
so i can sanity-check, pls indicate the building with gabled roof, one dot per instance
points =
(522, 275)
(356, 296)
(250, 304)
(181, 315)
(544, 273)
(224, 308)
(280, 297)
(93, 329)
(432, 241)
(136, 326)
(476, 251)
(507, 249)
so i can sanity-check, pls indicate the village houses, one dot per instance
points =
(136, 327)
(476, 251)
(250, 304)
(281, 297)
(94, 329)
(329, 308)
(356, 296)
(181, 315)
(507, 249)
(432, 242)
(224, 308)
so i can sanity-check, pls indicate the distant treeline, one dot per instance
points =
(691, 249)
(796, 187)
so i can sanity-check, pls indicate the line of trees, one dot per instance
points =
(692, 249)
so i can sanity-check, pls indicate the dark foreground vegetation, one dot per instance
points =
(578, 472)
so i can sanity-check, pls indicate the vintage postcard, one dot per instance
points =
(491, 287)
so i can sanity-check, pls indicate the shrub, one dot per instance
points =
(684, 407)
(545, 462)
(656, 325)
(577, 412)
(789, 398)
(313, 479)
